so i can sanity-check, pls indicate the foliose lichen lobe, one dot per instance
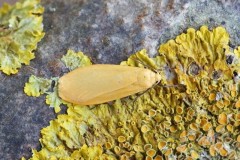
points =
(73, 60)
(193, 113)
(21, 29)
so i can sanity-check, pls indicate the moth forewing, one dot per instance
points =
(102, 83)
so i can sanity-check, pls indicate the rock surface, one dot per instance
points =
(106, 30)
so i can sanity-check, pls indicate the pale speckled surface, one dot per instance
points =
(106, 30)
(7, 1)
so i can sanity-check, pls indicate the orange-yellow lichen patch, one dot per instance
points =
(151, 152)
(177, 118)
(191, 137)
(179, 110)
(230, 128)
(158, 157)
(124, 157)
(237, 104)
(117, 150)
(181, 122)
(194, 154)
(183, 134)
(121, 139)
(194, 126)
(168, 152)
(218, 145)
(144, 128)
(212, 150)
(152, 112)
(147, 147)
(222, 119)
(220, 128)
(223, 152)
(203, 121)
(238, 138)
(207, 126)
(161, 145)
(182, 148)
(237, 117)
(189, 158)
(212, 97)
(204, 141)
(108, 145)
(173, 129)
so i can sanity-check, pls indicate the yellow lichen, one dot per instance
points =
(147, 147)
(222, 119)
(182, 148)
(121, 139)
(158, 157)
(212, 97)
(108, 145)
(204, 141)
(223, 152)
(191, 137)
(237, 104)
(220, 128)
(21, 29)
(212, 150)
(162, 145)
(238, 138)
(37, 86)
(177, 118)
(194, 154)
(184, 121)
(207, 126)
(144, 128)
(151, 152)
(151, 112)
(73, 60)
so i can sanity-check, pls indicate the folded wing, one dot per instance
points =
(99, 83)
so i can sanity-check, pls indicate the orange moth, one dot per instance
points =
(101, 83)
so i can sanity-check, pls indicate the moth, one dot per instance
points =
(102, 83)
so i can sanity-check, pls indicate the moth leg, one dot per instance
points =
(140, 94)
(91, 107)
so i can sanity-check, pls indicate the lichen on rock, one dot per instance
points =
(21, 29)
(37, 86)
(73, 60)
(193, 113)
